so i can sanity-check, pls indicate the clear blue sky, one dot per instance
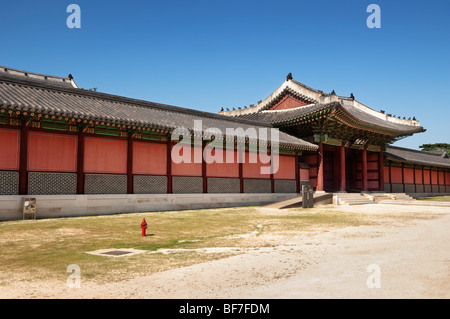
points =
(211, 54)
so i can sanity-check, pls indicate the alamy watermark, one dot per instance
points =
(374, 19)
(74, 19)
(374, 279)
(265, 141)
(74, 279)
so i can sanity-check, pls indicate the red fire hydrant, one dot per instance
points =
(144, 227)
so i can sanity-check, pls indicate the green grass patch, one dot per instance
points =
(435, 198)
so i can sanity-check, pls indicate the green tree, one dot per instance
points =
(436, 146)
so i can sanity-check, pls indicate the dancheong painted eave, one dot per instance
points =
(25, 94)
(314, 102)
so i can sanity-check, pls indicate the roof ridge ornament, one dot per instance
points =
(289, 77)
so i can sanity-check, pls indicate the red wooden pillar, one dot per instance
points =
(423, 180)
(204, 177)
(364, 170)
(80, 162)
(431, 182)
(272, 180)
(297, 174)
(23, 160)
(390, 176)
(169, 165)
(130, 187)
(241, 158)
(381, 170)
(445, 182)
(403, 176)
(320, 168)
(414, 176)
(439, 186)
(342, 186)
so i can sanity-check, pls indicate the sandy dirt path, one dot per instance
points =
(412, 256)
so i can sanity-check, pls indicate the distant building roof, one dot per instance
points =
(401, 154)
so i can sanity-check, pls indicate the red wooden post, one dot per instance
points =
(381, 170)
(439, 186)
(130, 185)
(320, 168)
(364, 169)
(414, 176)
(169, 165)
(241, 157)
(204, 177)
(423, 180)
(403, 176)
(390, 176)
(272, 180)
(23, 159)
(342, 186)
(297, 174)
(80, 162)
(445, 182)
(431, 182)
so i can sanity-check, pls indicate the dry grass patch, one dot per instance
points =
(42, 249)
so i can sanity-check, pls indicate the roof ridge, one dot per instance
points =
(12, 72)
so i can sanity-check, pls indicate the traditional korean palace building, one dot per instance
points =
(60, 142)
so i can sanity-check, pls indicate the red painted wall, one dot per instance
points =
(418, 173)
(386, 174)
(434, 177)
(409, 175)
(9, 149)
(441, 178)
(224, 169)
(149, 158)
(444, 177)
(286, 169)
(52, 152)
(102, 155)
(396, 177)
(304, 174)
(311, 160)
(191, 168)
(426, 176)
(252, 170)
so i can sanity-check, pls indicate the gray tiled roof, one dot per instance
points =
(45, 97)
(40, 78)
(401, 154)
(277, 118)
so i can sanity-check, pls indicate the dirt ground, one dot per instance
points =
(403, 257)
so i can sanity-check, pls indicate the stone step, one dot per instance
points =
(351, 203)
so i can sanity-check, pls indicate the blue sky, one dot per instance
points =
(211, 54)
